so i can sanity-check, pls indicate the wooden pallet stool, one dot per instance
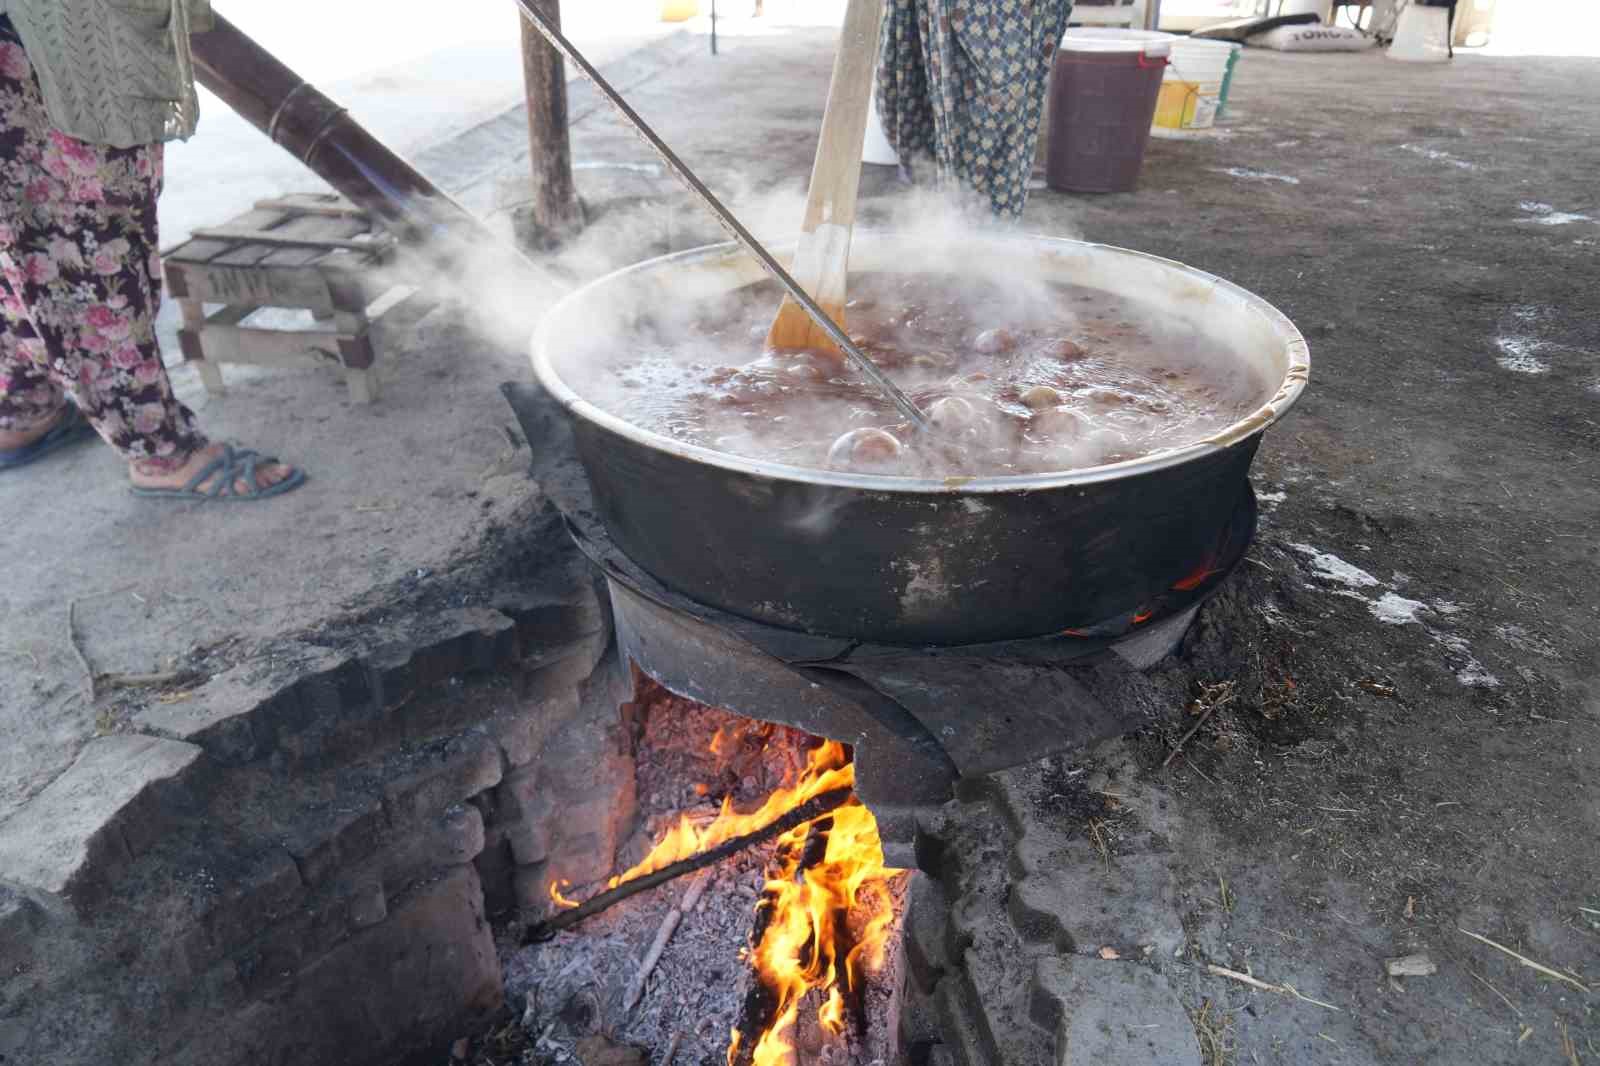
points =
(311, 251)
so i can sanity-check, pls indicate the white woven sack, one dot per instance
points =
(1313, 37)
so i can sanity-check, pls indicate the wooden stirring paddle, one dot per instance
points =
(822, 258)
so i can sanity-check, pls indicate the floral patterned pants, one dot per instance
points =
(80, 279)
(965, 80)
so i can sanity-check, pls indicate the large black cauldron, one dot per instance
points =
(919, 561)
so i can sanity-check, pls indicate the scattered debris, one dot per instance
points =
(1212, 697)
(1214, 1029)
(1437, 156)
(1396, 610)
(1253, 175)
(1547, 971)
(77, 651)
(669, 924)
(1516, 355)
(1547, 215)
(1332, 568)
(1265, 986)
(599, 1051)
(1568, 1048)
(1097, 835)
(1485, 983)
(1520, 638)
(156, 680)
(1471, 672)
(1410, 966)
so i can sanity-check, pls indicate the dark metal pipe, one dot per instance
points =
(323, 136)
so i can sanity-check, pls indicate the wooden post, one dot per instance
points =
(554, 212)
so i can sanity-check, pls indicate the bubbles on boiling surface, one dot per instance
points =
(868, 449)
(1015, 377)
(951, 414)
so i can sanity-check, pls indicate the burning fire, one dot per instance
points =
(803, 940)
(558, 899)
(829, 768)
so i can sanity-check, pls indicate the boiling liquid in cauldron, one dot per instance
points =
(1017, 378)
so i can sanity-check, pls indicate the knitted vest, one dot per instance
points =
(114, 72)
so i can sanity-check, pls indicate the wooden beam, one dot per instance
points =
(555, 213)
(222, 233)
(328, 208)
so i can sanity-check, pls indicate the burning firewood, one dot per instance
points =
(808, 811)
(810, 948)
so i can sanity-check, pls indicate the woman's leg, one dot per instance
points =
(903, 103)
(77, 233)
(30, 400)
(78, 258)
(988, 69)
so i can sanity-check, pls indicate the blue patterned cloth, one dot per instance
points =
(965, 81)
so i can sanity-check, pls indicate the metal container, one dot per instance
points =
(914, 560)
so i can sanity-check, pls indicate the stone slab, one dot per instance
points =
(441, 778)
(1111, 1012)
(217, 716)
(67, 836)
(422, 972)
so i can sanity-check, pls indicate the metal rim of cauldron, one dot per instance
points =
(1296, 354)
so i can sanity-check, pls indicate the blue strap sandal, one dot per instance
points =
(229, 468)
(72, 427)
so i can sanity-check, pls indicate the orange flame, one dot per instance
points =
(558, 899)
(807, 908)
(828, 770)
(831, 1014)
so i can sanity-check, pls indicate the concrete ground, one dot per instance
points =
(398, 489)
(1415, 747)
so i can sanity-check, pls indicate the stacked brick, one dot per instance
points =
(312, 881)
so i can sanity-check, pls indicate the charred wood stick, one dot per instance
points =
(815, 807)
(669, 925)
(816, 845)
(1177, 749)
(758, 1011)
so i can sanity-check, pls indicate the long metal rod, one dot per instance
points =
(729, 222)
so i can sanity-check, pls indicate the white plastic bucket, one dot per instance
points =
(1422, 35)
(1191, 89)
(1116, 39)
